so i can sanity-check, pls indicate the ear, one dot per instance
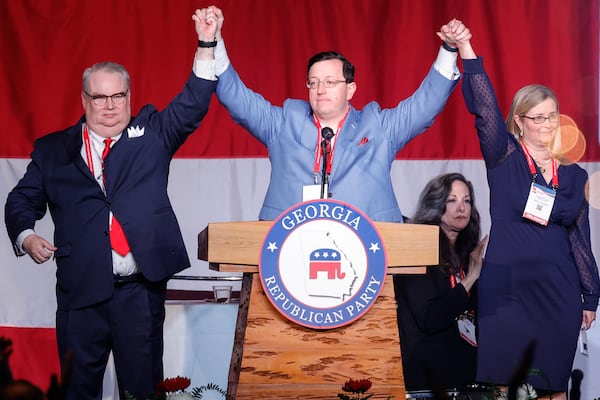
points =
(517, 120)
(83, 100)
(350, 90)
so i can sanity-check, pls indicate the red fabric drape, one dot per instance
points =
(44, 47)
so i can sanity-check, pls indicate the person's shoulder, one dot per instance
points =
(296, 105)
(371, 106)
(568, 164)
(59, 135)
(576, 169)
(144, 112)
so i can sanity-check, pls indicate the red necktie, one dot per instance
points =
(118, 241)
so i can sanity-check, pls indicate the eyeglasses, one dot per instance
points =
(540, 119)
(100, 100)
(328, 83)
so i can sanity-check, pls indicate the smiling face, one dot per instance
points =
(330, 104)
(458, 209)
(109, 119)
(535, 135)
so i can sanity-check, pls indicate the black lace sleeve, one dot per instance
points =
(481, 101)
(579, 239)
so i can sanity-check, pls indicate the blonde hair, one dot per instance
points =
(524, 100)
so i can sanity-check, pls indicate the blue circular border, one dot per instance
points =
(269, 264)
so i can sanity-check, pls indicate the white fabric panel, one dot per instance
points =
(212, 190)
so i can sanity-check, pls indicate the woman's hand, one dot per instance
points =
(588, 318)
(475, 264)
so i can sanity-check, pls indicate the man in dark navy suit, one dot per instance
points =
(116, 240)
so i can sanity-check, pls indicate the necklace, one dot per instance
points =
(541, 165)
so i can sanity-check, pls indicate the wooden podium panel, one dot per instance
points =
(283, 360)
(275, 358)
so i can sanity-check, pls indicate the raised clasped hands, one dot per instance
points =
(455, 33)
(208, 22)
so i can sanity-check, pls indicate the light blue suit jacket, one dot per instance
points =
(364, 149)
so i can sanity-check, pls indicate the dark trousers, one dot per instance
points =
(131, 325)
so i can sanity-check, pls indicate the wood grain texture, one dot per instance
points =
(310, 392)
(283, 360)
(236, 246)
(275, 358)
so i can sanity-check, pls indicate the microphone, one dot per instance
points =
(326, 134)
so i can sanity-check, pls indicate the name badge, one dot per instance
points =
(539, 204)
(583, 342)
(466, 327)
(313, 192)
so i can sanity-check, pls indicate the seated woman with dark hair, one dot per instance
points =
(436, 310)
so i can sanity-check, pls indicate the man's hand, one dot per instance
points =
(454, 33)
(208, 22)
(39, 249)
(457, 35)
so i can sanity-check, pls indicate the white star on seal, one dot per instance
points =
(272, 246)
(374, 247)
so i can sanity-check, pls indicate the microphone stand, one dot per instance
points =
(324, 146)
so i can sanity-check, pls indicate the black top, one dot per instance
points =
(433, 353)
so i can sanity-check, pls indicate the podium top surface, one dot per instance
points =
(239, 244)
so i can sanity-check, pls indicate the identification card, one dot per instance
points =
(583, 343)
(466, 327)
(312, 192)
(539, 204)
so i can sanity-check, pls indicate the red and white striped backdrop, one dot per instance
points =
(221, 173)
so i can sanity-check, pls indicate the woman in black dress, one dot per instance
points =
(436, 310)
(539, 286)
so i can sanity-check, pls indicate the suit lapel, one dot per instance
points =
(73, 143)
(345, 139)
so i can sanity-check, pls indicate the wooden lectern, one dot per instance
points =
(274, 358)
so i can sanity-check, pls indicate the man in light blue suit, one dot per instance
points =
(364, 142)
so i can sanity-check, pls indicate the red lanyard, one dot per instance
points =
(533, 171)
(318, 152)
(89, 154)
(88, 150)
(453, 281)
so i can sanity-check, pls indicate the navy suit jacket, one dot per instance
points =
(136, 172)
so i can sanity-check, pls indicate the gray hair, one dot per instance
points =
(108, 66)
